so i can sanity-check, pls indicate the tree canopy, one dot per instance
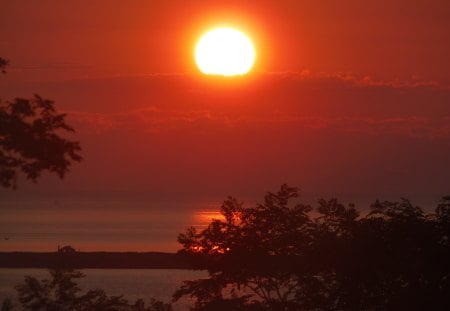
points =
(283, 256)
(31, 140)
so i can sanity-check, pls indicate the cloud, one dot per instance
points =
(319, 101)
(357, 80)
(162, 134)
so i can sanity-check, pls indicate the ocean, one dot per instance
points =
(41, 225)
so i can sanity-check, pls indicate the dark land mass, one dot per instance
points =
(97, 260)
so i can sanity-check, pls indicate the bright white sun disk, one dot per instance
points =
(224, 51)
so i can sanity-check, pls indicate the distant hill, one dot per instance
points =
(99, 260)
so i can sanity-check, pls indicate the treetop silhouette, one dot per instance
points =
(31, 140)
(280, 255)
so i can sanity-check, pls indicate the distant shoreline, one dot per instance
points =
(94, 260)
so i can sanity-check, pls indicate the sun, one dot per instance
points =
(224, 51)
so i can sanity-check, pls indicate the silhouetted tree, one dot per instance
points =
(62, 293)
(283, 256)
(30, 140)
(66, 249)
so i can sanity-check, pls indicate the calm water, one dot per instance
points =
(98, 225)
(132, 283)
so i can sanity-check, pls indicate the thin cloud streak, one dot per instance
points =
(414, 109)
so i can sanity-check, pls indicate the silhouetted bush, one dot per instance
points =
(282, 256)
(61, 293)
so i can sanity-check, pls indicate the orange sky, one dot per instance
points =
(347, 99)
(379, 38)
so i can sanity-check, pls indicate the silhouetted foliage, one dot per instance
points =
(61, 293)
(282, 256)
(7, 305)
(3, 64)
(30, 139)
